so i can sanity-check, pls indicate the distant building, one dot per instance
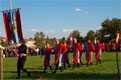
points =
(30, 41)
(2, 40)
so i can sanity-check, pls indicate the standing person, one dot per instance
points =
(37, 51)
(65, 58)
(58, 56)
(98, 48)
(89, 47)
(22, 59)
(47, 51)
(77, 48)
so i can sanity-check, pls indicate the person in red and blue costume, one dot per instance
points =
(47, 51)
(59, 51)
(65, 58)
(77, 49)
(89, 47)
(98, 48)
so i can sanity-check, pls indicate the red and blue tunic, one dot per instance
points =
(77, 50)
(65, 58)
(98, 48)
(59, 54)
(47, 52)
(89, 47)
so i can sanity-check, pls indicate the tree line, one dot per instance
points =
(107, 33)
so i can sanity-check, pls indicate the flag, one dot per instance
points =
(12, 24)
(117, 38)
(71, 38)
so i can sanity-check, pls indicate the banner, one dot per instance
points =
(12, 24)
(117, 38)
(71, 38)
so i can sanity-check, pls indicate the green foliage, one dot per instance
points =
(39, 38)
(110, 28)
(62, 40)
(90, 35)
(4, 44)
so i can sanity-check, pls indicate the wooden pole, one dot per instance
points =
(117, 63)
(10, 4)
(1, 62)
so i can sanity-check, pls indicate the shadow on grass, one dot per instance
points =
(62, 75)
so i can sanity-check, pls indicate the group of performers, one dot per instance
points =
(61, 52)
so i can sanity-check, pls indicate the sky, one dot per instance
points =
(58, 18)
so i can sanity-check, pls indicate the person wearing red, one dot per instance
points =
(47, 51)
(89, 47)
(77, 49)
(98, 48)
(59, 52)
(65, 58)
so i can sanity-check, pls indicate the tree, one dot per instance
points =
(76, 35)
(39, 38)
(62, 40)
(109, 29)
(90, 35)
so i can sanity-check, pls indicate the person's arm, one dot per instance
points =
(44, 51)
(103, 48)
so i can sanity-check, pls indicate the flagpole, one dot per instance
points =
(1, 62)
(10, 4)
(117, 62)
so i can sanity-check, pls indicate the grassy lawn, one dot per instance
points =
(34, 64)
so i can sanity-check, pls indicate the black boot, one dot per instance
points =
(90, 63)
(29, 75)
(45, 69)
(69, 65)
(81, 63)
(56, 69)
(51, 68)
(78, 65)
(100, 61)
(61, 69)
(64, 65)
(73, 66)
(97, 62)
(18, 76)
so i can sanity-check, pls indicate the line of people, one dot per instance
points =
(61, 55)
(62, 50)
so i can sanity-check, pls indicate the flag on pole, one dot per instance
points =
(117, 38)
(71, 38)
(12, 24)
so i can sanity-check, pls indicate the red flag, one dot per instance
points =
(71, 38)
(117, 38)
(7, 27)
(19, 25)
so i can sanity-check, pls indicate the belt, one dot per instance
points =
(21, 55)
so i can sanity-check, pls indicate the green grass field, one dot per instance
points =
(34, 64)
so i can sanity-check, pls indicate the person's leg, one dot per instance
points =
(68, 64)
(63, 65)
(56, 67)
(61, 69)
(78, 64)
(18, 68)
(74, 66)
(45, 69)
(51, 68)
(97, 62)
(100, 61)
(22, 66)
